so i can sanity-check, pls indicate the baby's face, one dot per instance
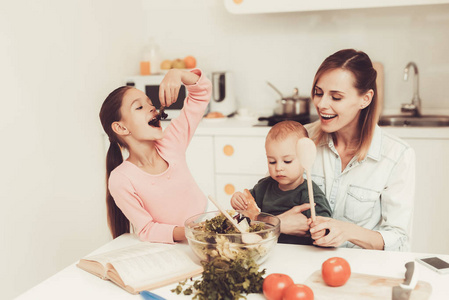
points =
(283, 163)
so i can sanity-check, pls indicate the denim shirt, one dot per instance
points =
(376, 193)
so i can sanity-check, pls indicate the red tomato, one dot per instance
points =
(298, 292)
(335, 271)
(274, 285)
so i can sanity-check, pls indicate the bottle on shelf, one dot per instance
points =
(150, 63)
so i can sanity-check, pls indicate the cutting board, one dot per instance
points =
(363, 286)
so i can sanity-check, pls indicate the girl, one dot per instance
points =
(366, 173)
(153, 188)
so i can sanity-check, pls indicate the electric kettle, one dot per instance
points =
(223, 98)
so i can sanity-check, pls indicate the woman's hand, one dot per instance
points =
(293, 222)
(238, 201)
(170, 85)
(339, 232)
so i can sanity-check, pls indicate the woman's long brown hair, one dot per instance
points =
(110, 113)
(360, 65)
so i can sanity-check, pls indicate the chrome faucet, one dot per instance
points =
(415, 106)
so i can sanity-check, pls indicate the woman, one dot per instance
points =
(368, 175)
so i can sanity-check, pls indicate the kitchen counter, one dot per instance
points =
(298, 261)
(236, 127)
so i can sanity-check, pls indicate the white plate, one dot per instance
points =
(214, 120)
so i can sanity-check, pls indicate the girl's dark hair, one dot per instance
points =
(360, 65)
(110, 113)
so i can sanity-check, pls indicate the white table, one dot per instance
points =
(295, 260)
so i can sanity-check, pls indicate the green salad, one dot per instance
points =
(218, 237)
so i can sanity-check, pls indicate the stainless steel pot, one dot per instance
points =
(291, 106)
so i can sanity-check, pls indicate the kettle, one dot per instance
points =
(293, 105)
(223, 99)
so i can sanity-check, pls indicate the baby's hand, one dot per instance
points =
(251, 206)
(238, 201)
(318, 234)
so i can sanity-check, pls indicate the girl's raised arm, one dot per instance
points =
(170, 85)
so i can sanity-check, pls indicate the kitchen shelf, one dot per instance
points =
(277, 6)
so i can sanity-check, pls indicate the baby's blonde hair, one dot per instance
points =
(283, 129)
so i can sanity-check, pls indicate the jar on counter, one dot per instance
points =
(150, 63)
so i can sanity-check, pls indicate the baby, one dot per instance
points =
(286, 186)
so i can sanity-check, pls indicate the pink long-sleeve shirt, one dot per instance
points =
(156, 204)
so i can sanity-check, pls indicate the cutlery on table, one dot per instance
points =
(247, 238)
(150, 296)
(403, 290)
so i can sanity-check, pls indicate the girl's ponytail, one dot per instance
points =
(117, 222)
(110, 113)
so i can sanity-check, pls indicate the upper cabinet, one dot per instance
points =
(276, 6)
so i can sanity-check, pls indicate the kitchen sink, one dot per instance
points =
(414, 121)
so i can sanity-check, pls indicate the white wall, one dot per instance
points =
(58, 61)
(287, 48)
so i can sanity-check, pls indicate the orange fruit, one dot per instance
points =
(166, 64)
(190, 62)
(178, 64)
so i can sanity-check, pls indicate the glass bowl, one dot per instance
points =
(209, 245)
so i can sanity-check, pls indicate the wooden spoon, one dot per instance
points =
(224, 212)
(247, 238)
(306, 151)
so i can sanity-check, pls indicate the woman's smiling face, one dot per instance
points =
(337, 101)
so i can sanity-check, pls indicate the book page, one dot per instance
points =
(128, 252)
(154, 266)
(119, 254)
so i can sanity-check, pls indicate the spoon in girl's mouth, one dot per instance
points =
(161, 115)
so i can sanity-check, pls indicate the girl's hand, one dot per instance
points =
(238, 201)
(339, 232)
(293, 222)
(170, 85)
(179, 234)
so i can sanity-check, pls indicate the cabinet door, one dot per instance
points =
(200, 159)
(430, 220)
(230, 183)
(240, 155)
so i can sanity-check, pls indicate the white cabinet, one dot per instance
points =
(431, 215)
(276, 6)
(242, 155)
(200, 159)
(240, 162)
(222, 165)
(227, 184)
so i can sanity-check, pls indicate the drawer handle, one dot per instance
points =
(228, 150)
(229, 189)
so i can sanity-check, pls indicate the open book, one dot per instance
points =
(143, 266)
